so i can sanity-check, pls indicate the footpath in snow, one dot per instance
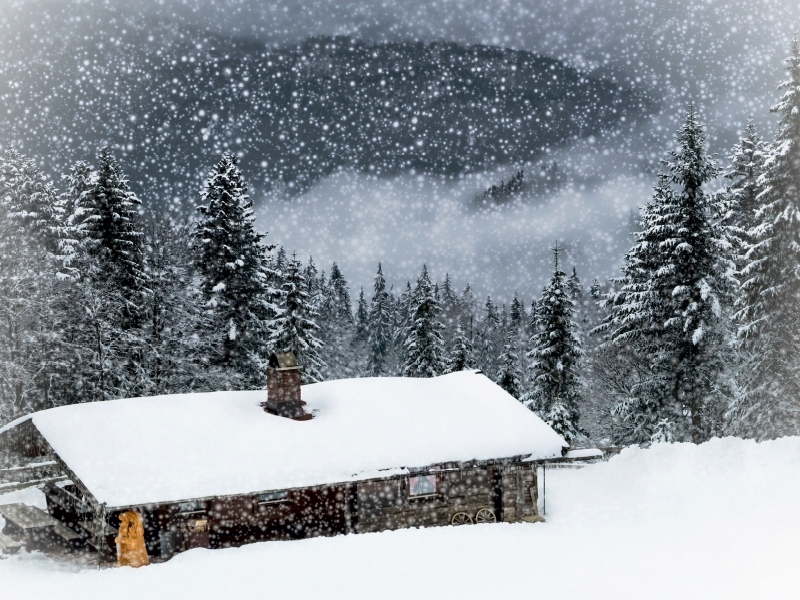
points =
(675, 521)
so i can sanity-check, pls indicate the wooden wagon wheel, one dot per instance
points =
(485, 515)
(461, 518)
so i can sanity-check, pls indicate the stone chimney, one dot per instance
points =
(283, 387)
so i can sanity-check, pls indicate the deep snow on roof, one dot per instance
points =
(168, 448)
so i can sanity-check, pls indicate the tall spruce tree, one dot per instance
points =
(746, 167)
(578, 297)
(402, 321)
(108, 220)
(235, 274)
(360, 353)
(294, 327)
(379, 343)
(424, 344)
(362, 318)
(312, 279)
(450, 304)
(671, 303)
(555, 383)
(575, 287)
(337, 325)
(488, 337)
(509, 373)
(767, 309)
(29, 246)
(466, 312)
(177, 358)
(104, 309)
(461, 356)
(517, 312)
(78, 182)
(340, 292)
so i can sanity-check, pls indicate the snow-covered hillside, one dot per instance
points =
(676, 521)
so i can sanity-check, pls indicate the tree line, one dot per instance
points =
(697, 338)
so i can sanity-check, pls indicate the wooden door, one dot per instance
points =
(497, 492)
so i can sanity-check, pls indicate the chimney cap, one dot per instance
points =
(283, 361)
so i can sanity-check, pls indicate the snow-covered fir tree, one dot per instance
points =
(281, 262)
(312, 279)
(594, 290)
(767, 309)
(360, 335)
(294, 328)
(108, 221)
(467, 302)
(336, 323)
(671, 302)
(380, 334)
(103, 310)
(402, 321)
(578, 297)
(424, 345)
(340, 293)
(517, 313)
(177, 354)
(461, 356)
(488, 333)
(532, 316)
(449, 302)
(77, 182)
(509, 372)
(555, 393)
(746, 167)
(234, 273)
(29, 246)
(361, 331)
(575, 287)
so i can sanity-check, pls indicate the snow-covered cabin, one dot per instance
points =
(216, 469)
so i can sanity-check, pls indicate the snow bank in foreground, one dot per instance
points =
(675, 521)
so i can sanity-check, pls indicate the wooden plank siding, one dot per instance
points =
(21, 444)
(366, 506)
(460, 490)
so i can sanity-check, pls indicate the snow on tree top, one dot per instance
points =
(169, 448)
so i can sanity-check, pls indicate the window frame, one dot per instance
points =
(199, 507)
(280, 497)
(429, 476)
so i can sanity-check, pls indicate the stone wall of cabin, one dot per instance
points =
(367, 506)
(386, 504)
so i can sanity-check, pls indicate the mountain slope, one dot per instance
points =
(170, 100)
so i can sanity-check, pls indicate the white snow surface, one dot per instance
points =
(584, 453)
(675, 521)
(168, 448)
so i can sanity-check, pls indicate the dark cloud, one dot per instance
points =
(723, 55)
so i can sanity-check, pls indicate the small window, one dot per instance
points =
(269, 497)
(423, 485)
(193, 506)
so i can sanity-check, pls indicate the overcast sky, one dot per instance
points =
(725, 56)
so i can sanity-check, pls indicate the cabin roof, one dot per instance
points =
(169, 448)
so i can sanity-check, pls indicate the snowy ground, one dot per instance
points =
(676, 521)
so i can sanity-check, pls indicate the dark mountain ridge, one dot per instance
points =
(170, 101)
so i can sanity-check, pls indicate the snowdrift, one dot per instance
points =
(675, 521)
